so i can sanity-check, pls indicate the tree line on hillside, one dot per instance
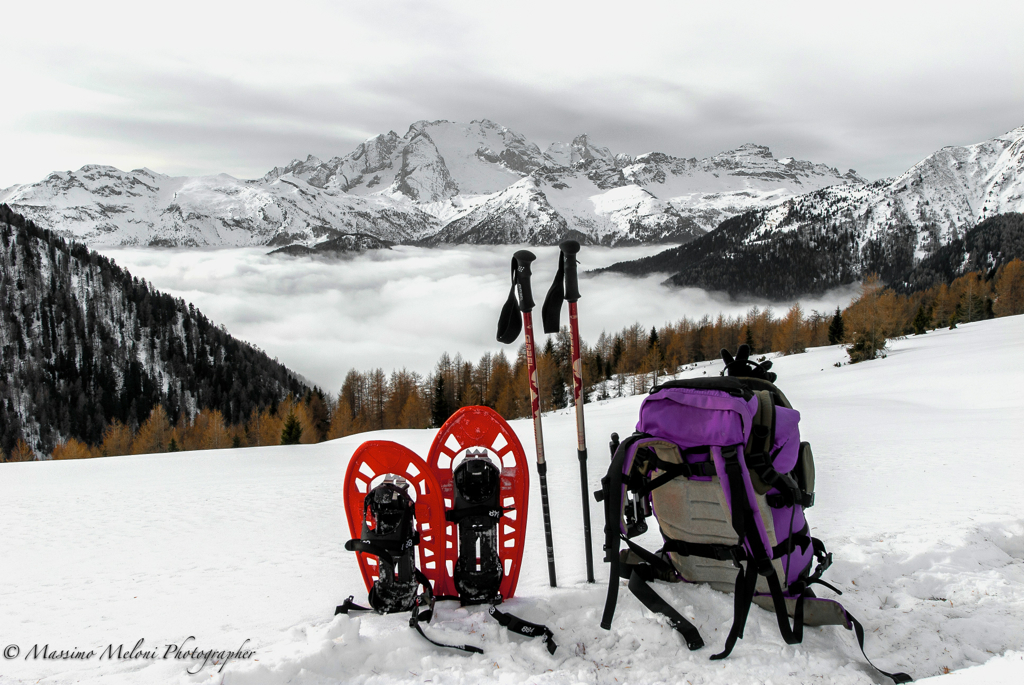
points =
(627, 362)
(85, 346)
(632, 360)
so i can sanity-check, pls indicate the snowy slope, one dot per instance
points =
(919, 477)
(414, 187)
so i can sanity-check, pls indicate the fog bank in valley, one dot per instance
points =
(404, 307)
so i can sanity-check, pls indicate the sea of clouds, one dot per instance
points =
(404, 307)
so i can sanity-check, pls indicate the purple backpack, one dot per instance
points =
(719, 463)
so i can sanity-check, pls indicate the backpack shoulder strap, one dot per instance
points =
(611, 495)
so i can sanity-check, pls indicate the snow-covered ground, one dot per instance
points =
(919, 497)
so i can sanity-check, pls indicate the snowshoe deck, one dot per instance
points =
(374, 461)
(480, 432)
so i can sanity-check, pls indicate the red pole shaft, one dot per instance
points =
(577, 377)
(531, 367)
(581, 434)
(538, 434)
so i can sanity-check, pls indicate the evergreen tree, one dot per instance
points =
(292, 432)
(835, 329)
(921, 321)
(173, 446)
(439, 409)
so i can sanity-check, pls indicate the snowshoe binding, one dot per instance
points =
(388, 527)
(484, 478)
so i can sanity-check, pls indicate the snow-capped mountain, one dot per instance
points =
(833, 235)
(440, 182)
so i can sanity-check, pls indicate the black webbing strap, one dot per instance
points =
(348, 605)
(518, 625)
(653, 601)
(373, 548)
(824, 558)
(418, 616)
(734, 553)
(612, 498)
(858, 629)
(791, 635)
(551, 310)
(651, 558)
(801, 539)
(746, 579)
(779, 500)
(746, 582)
(424, 616)
(494, 513)
(384, 550)
(672, 471)
(510, 321)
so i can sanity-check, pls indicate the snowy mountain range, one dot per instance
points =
(441, 182)
(832, 236)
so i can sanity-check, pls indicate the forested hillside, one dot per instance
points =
(84, 345)
(813, 256)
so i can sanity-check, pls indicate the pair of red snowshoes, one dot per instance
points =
(451, 527)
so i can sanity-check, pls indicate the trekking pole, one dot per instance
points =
(566, 286)
(509, 326)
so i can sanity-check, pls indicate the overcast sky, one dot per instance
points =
(239, 87)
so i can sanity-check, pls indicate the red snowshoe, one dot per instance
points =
(485, 482)
(390, 471)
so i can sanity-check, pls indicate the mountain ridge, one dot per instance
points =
(834, 235)
(440, 182)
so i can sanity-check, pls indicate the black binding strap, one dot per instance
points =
(518, 625)
(487, 511)
(419, 616)
(653, 601)
(859, 630)
(381, 550)
(348, 605)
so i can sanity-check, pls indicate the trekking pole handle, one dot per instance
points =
(523, 260)
(570, 248)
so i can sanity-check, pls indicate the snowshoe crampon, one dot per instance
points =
(485, 483)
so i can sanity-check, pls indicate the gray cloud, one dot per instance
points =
(875, 87)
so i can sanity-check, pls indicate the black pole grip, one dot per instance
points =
(570, 248)
(523, 260)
